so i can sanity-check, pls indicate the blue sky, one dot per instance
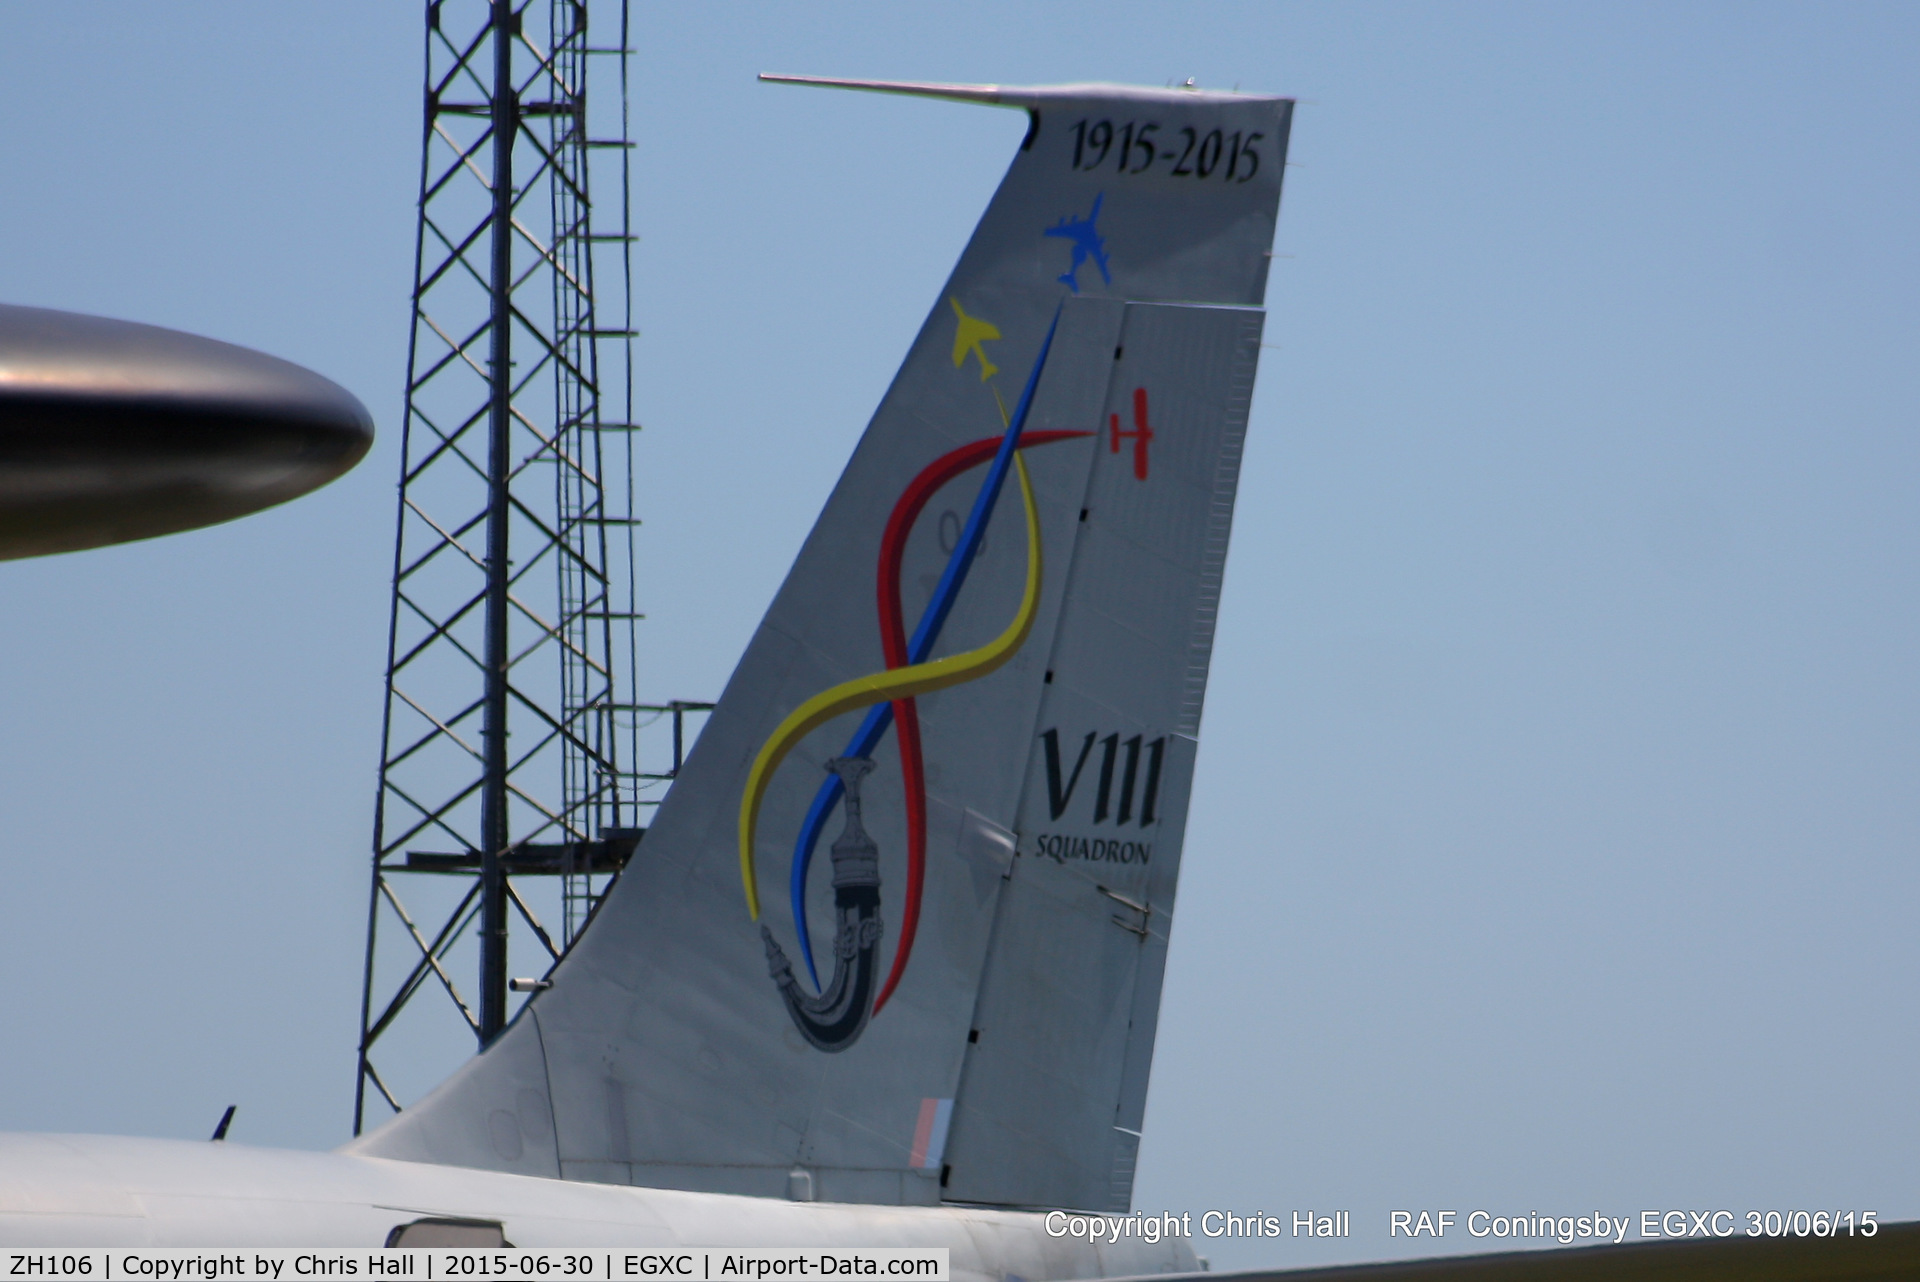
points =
(1553, 839)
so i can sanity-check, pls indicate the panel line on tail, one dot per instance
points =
(905, 711)
(860, 938)
(884, 687)
(926, 633)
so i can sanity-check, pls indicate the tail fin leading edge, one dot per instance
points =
(902, 920)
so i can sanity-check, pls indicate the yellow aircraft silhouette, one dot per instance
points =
(967, 338)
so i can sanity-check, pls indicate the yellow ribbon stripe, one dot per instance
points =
(882, 687)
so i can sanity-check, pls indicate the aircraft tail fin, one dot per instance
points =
(900, 926)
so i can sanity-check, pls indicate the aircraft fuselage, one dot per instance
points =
(92, 1190)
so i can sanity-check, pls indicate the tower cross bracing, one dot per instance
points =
(509, 789)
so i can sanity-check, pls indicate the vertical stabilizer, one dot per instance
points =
(901, 923)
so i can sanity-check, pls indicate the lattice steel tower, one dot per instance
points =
(510, 791)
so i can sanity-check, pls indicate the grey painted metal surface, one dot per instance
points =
(112, 431)
(1053, 1092)
(1103, 319)
(95, 1191)
(98, 1191)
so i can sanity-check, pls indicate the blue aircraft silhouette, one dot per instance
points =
(1087, 243)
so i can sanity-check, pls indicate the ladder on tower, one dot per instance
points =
(511, 786)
